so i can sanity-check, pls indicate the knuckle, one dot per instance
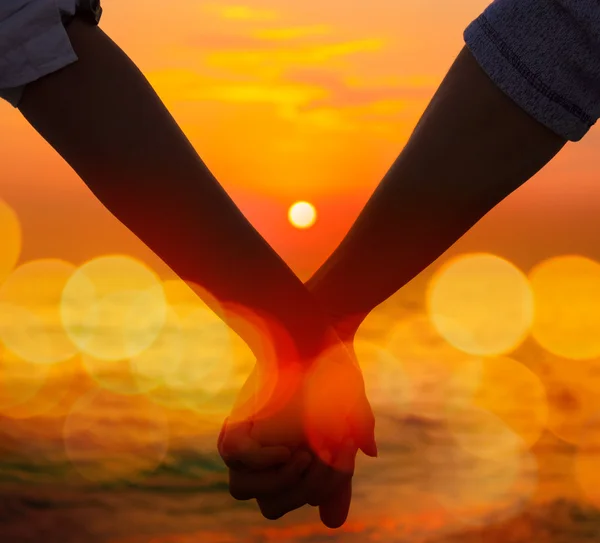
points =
(239, 493)
(271, 511)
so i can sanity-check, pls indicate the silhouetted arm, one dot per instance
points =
(472, 147)
(106, 121)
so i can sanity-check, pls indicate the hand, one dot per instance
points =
(281, 481)
(305, 414)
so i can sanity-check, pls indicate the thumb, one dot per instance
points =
(363, 428)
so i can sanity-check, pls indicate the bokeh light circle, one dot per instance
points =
(20, 379)
(113, 307)
(429, 364)
(193, 359)
(387, 385)
(10, 239)
(207, 359)
(567, 321)
(484, 295)
(145, 371)
(64, 383)
(505, 412)
(30, 322)
(477, 491)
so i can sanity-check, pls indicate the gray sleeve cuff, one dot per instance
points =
(543, 57)
(33, 43)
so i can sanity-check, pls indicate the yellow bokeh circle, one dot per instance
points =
(113, 307)
(386, 382)
(63, 384)
(504, 413)
(30, 323)
(475, 489)
(207, 358)
(566, 291)
(193, 359)
(20, 380)
(481, 303)
(10, 239)
(429, 364)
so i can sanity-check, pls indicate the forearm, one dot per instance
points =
(105, 120)
(472, 148)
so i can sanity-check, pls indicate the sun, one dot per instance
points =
(302, 215)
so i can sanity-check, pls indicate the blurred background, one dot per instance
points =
(484, 371)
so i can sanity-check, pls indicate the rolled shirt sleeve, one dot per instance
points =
(545, 55)
(33, 42)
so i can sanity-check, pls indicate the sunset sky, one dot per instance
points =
(289, 101)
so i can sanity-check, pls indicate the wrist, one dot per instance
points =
(345, 325)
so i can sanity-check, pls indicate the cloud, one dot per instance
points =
(238, 12)
(315, 98)
(293, 33)
(343, 92)
(193, 86)
(243, 53)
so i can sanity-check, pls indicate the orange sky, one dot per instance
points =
(291, 101)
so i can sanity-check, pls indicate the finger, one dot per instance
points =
(222, 434)
(240, 451)
(318, 480)
(342, 469)
(276, 506)
(363, 429)
(334, 511)
(258, 459)
(256, 484)
(236, 436)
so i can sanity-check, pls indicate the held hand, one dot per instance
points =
(322, 410)
(282, 481)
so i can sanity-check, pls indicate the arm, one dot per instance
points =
(106, 121)
(472, 148)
